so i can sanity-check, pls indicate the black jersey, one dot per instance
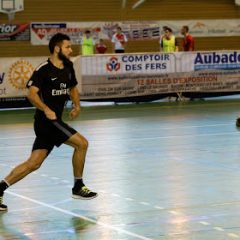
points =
(54, 85)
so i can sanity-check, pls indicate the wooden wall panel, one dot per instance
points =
(111, 10)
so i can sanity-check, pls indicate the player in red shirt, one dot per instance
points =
(101, 47)
(188, 41)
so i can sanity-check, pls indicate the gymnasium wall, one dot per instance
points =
(112, 10)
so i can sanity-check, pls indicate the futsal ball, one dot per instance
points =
(238, 122)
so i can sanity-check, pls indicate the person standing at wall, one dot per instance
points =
(87, 43)
(101, 47)
(119, 39)
(162, 34)
(188, 41)
(168, 41)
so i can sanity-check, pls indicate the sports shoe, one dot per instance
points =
(3, 207)
(83, 193)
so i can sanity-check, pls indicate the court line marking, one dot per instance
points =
(28, 234)
(163, 128)
(79, 216)
(170, 137)
(146, 138)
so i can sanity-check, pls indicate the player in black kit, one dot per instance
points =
(51, 84)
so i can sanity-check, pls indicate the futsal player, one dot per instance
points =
(51, 84)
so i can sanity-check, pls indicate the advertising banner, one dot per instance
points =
(134, 75)
(119, 76)
(143, 63)
(15, 72)
(41, 32)
(206, 27)
(144, 85)
(15, 32)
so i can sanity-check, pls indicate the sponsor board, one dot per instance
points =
(41, 32)
(134, 75)
(135, 30)
(15, 32)
(103, 77)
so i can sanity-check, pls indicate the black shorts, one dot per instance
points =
(51, 133)
(119, 51)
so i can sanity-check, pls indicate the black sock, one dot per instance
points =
(3, 186)
(78, 183)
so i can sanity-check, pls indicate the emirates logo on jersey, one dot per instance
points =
(113, 64)
(62, 91)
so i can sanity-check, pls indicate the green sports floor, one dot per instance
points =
(163, 171)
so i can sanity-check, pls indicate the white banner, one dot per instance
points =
(146, 63)
(133, 75)
(195, 61)
(41, 32)
(146, 85)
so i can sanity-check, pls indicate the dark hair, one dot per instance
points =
(168, 29)
(57, 39)
(186, 28)
(164, 28)
(87, 32)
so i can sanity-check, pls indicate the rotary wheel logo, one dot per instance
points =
(19, 74)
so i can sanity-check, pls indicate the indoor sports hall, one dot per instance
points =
(163, 151)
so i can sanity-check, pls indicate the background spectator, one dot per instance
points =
(188, 41)
(119, 39)
(101, 47)
(87, 43)
(168, 41)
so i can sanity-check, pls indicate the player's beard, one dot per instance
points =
(63, 58)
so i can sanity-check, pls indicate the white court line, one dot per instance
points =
(22, 137)
(163, 128)
(48, 232)
(170, 137)
(79, 216)
(147, 138)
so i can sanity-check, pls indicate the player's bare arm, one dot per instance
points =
(74, 95)
(34, 98)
